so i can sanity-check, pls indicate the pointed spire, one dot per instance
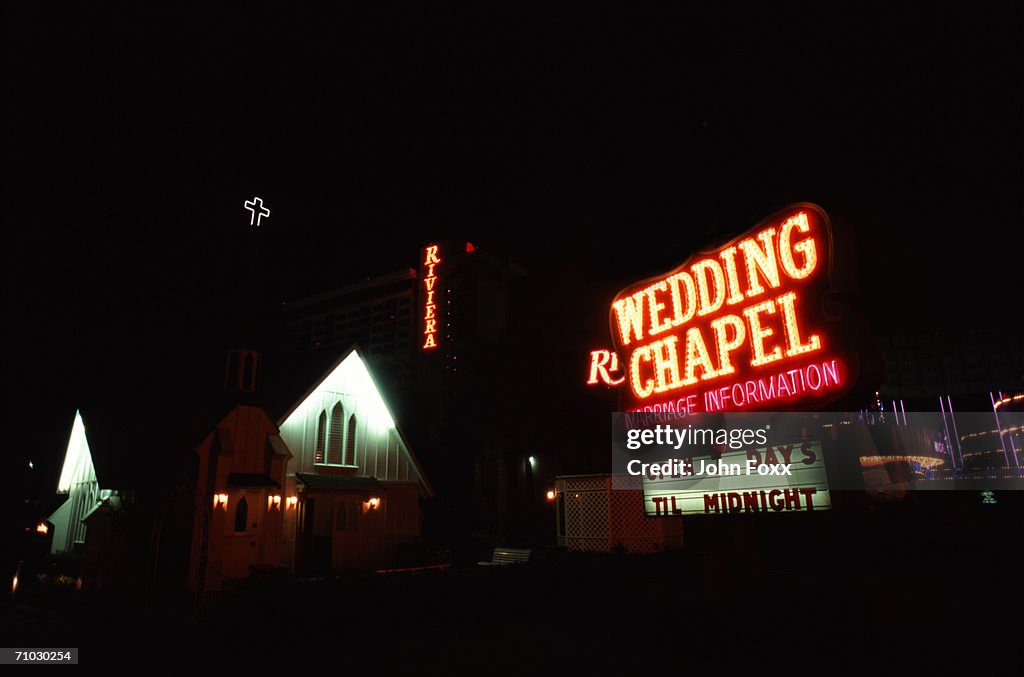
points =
(78, 465)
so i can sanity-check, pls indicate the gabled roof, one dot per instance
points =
(105, 506)
(248, 479)
(223, 441)
(368, 387)
(339, 482)
(78, 466)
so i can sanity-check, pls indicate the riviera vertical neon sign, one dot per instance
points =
(430, 262)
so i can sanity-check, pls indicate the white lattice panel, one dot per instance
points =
(590, 483)
(635, 531)
(586, 514)
(598, 518)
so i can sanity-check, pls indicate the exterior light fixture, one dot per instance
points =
(374, 502)
(273, 502)
(14, 580)
(42, 528)
(292, 502)
(220, 501)
(551, 494)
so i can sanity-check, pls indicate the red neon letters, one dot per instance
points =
(602, 363)
(430, 263)
(737, 326)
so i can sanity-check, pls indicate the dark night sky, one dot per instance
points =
(593, 149)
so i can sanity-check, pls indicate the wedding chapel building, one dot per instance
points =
(329, 486)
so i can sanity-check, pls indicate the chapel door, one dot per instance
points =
(316, 537)
(305, 540)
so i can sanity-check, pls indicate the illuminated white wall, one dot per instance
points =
(78, 480)
(379, 450)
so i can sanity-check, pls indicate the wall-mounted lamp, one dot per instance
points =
(551, 494)
(220, 501)
(42, 528)
(291, 502)
(273, 502)
(374, 502)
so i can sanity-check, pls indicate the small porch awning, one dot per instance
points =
(238, 480)
(339, 483)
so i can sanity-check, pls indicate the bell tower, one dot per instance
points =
(241, 371)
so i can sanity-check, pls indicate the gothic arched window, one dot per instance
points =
(339, 519)
(337, 435)
(321, 431)
(353, 524)
(241, 514)
(350, 442)
(231, 377)
(248, 372)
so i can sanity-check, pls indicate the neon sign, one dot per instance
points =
(689, 492)
(256, 210)
(738, 327)
(430, 262)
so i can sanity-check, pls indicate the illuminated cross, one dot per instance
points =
(255, 206)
